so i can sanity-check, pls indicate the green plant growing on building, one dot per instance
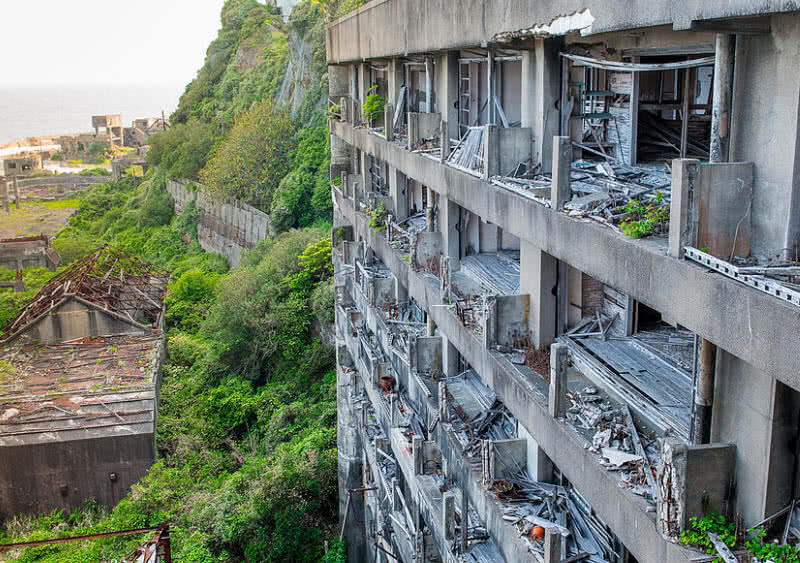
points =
(373, 106)
(715, 523)
(377, 217)
(645, 218)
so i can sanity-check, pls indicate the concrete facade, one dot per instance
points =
(497, 265)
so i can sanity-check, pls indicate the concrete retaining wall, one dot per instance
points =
(40, 477)
(225, 227)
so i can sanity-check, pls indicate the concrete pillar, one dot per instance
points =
(562, 163)
(16, 192)
(444, 411)
(491, 151)
(431, 326)
(447, 95)
(704, 394)
(444, 142)
(400, 292)
(394, 80)
(388, 126)
(363, 82)
(449, 213)
(449, 358)
(428, 84)
(558, 380)
(5, 198)
(682, 212)
(538, 278)
(552, 546)
(349, 452)
(449, 514)
(541, 70)
(398, 189)
(723, 92)
(416, 451)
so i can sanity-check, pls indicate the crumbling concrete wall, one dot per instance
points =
(694, 481)
(228, 228)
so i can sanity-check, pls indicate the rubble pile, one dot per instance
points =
(533, 506)
(614, 440)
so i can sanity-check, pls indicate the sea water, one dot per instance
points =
(33, 111)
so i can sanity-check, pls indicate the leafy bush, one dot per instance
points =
(374, 105)
(645, 219)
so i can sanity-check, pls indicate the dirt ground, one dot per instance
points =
(36, 217)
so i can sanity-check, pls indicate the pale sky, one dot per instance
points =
(110, 42)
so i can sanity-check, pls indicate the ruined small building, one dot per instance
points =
(28, 252)
(566, 243)
(21, 165)
(111, 125)
(79, 385)
(141, 130)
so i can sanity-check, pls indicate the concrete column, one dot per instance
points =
(682, 213)
(562, 297)
(388, 126)
(449, 514)
(541, 70)
(428, 85)
(5, 198)
(491, 151)
(449, 358)
(349, 451)
(723, 92)
(562, 163)
(363, 82)
(552, 546)
(558, 380)
(398, 189)
(401, 293)
(416, 451)
(704, 394)
(16, 192)
(394, 79)
(447, 96)
(444, 411)
(431, 326)
(538, 278)
(449, 225)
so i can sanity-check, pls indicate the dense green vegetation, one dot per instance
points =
(247, 435)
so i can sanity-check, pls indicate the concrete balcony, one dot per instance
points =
(720, 309)
(526, 397)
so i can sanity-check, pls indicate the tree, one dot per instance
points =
(250, 163)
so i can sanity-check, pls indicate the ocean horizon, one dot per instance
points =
(33, 111)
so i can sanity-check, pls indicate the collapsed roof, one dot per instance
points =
(109, 280)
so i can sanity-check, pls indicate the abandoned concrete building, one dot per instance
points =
(79, 386)
(567, 277)
(111, 125)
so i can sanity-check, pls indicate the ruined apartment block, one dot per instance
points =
(567, 276)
